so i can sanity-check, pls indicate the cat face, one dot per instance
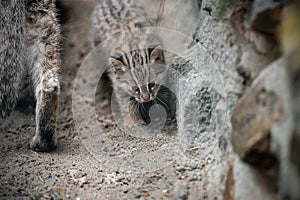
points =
(139, 73)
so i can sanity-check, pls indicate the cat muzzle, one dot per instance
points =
(145, 97)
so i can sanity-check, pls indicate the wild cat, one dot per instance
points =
(29, 47)
(135, 58)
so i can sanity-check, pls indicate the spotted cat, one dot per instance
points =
(136, 58)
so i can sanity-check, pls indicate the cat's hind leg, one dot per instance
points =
(45, 34)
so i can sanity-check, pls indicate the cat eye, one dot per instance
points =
(136, 89)
(151, 85)
(157, 59)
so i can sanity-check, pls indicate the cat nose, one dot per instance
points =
(145, 97)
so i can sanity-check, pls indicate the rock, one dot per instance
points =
(206, 92)
(265, 15)
(252, 63)
(249, 184)
(263, 128)
(289, 182)
(295, 99)
(290, 33)
(229, 185)
(264, 44)
(254, 116)
(208, 64)
(294, 150)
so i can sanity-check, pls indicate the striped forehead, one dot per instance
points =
(139, 57)
(137, 63)
(140, 74)
(135, 58)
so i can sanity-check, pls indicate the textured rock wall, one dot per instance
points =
(176, 15)
(243, 109)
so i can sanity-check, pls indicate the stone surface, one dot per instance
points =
(261, 121)
(295, 99)
(207, 91)
(254, 116)
(250, 184)
(289, 182)
(282, 134)
(265, 15)
(252, 62)
(263, 131)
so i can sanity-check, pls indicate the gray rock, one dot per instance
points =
(263, 132)
(207, 90)
(258, 110)
(265, 15)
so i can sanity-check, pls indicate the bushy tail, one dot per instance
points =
(12, 58)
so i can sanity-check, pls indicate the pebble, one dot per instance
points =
(181, 190)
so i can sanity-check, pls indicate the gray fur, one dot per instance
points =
(29, 38)
(136, 56)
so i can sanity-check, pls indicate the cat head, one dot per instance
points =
(139, 72)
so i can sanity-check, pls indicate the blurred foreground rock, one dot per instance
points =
(256, 113)
(238, 99)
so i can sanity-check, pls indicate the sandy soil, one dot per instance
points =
(151, 168)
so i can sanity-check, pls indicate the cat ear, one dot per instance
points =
(118, 67)
(156, 55)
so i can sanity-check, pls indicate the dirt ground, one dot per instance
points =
(73, 170)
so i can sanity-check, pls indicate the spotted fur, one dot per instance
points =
(135, 57)
(29, 38)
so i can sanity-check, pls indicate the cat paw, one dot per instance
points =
(39, 145)
(140, 123)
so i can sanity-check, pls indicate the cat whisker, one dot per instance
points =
(164, 103)
(132, 54)
(143, 107)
